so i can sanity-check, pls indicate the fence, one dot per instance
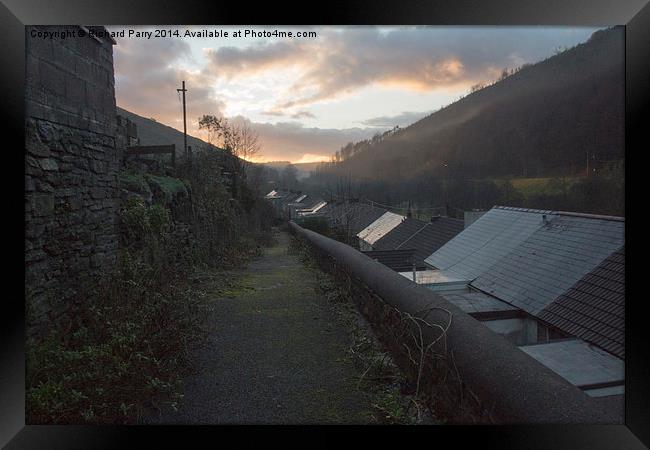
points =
(153, 150)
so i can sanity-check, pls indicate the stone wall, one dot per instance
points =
(71, 165)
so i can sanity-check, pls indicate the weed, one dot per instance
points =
(390, 394)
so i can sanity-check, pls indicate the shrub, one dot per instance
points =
(121, 348)
(117, 353)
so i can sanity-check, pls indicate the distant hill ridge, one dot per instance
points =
(543, 119)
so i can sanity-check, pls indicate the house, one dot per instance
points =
(402, 232)
(304, 204)
(552, 282)
(398, 260)
(594, 307)
(424, 238)
(280, 201)
(378, 229)
(350, 218)
(486, 241)
(314, 206)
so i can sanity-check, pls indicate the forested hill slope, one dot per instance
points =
(541, 120)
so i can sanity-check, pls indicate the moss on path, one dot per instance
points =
(276, 353)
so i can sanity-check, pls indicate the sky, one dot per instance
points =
(308, 96)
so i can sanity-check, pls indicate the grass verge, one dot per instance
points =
(391, 396)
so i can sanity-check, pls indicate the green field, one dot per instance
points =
(543, 185)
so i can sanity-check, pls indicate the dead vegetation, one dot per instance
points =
(393, 398)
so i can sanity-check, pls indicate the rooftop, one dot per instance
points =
(355, 216)
(594, 307)
(380, 227)
(432, 236)
(398, 260)
(491, 237)
(403, 231)
(551, 260)
(581, 364)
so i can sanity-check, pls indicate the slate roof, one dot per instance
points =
(288, 198)
(406, 229)
(310, 207)
(578, 362)
(551, 260)
(398, 260)
(380, 227)
(308, 202)
(318, 206)
(326, 211)
(333, 212)
(364, 215)
(594, 307)
(432, 236)
(356, 216)
(490, 238)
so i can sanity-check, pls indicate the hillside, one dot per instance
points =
(540, 121)
(151, 132)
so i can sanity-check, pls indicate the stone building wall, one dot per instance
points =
(71, 165)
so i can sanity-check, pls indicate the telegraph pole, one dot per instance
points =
(183, 90)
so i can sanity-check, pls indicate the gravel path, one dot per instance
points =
(276, 354)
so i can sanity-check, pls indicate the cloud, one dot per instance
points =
(302, 114)
(147, 76)
(283, 113)
(274, 112)
(283, 78)
(422, 58)
(403, 119)
(236, 61)
(292, 141)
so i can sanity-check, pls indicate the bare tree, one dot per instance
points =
(238, 139)
(246, 145)
(215, 127)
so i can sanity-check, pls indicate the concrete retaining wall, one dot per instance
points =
(470, 373)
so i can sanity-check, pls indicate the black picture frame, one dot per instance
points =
(15, 14)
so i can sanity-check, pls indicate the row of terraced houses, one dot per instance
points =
(551, 282)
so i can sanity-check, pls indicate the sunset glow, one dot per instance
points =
(307, 97)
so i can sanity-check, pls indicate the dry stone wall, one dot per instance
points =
(71, 165)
